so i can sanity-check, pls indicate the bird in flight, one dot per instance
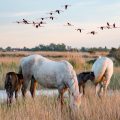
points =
(51, 17)
(18, 22)
(108, 24)
(69, 24)
(41, 22)
(58, 11)
(66, 6)
(92, 32)
(79, 29)
(114, 26)
(38, 25)
(43, 18)
(50, 13)
(25, 21)
(102, 27)
(34, 23)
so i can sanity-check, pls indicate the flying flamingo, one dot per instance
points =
(58, 11)
(69, 24)
(92, 32)
(66, 6)
(79, 29)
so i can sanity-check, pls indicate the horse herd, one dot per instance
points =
(57, 75)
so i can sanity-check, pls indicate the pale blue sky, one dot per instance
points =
(88, 14)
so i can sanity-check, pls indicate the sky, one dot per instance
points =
(86, 14)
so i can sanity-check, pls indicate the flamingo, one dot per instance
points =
(66, 6)
(92, 32)
(79, 29)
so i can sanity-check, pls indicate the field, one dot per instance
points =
(48, 108)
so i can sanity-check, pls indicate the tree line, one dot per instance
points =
(55, 47)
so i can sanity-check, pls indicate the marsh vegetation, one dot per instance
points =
(47, 107)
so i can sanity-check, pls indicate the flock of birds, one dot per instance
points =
(58, 11)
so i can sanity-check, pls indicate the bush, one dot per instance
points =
(115, 53)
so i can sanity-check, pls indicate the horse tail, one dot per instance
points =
(100, 71)
(100, 76)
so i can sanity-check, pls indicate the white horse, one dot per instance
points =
(50, 74)
(103, 70)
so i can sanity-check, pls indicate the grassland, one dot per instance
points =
(48, 108)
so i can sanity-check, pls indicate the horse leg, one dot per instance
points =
(33, 87)
(61, 92)
(97, 89)
(24, 87)
(100, 89)
(83, 87)
(60, 97)
(105, 88)
(106, 81)
(80, 88)
(16, 95)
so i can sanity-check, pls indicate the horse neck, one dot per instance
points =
(73, 87)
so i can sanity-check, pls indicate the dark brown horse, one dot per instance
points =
(13, 83)
(83, 78)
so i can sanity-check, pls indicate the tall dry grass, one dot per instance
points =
(48, 108)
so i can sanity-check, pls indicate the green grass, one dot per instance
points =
(115, 82)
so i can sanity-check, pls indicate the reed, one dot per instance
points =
(48, 108)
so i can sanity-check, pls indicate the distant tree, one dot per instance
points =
(26, 49)
(52, 47)
(57, 47)
(1, 49)
(115, 53)
(8, 48)
(61, 47)
(83, 49)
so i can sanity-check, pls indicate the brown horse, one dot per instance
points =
(13, 83)
(83, 78)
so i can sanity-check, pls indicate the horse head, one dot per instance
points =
(75, 101)
(92, 76)
(75, 96)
